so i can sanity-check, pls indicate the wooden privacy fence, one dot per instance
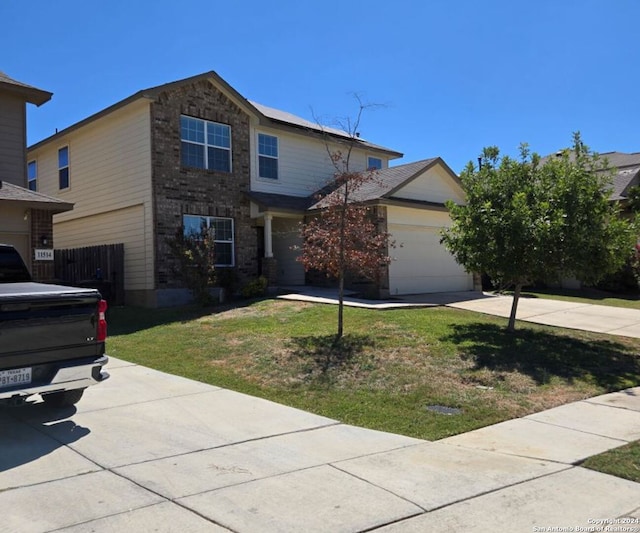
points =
(100, 267)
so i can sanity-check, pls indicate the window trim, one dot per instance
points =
(276, 157)
(370, 167)
(205, 145)
(33, 179)
(215, 240)
(67, 167)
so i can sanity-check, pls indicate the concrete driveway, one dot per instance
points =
(587, 317)
(147, 451)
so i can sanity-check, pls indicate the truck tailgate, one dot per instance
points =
(43, 323)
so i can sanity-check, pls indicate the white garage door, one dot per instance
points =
(422, 264)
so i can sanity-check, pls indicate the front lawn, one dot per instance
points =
(587, 296)
(622, 462)
(391, 366)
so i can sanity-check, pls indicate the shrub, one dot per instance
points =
(255, 288)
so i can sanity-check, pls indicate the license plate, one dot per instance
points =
(15, 376)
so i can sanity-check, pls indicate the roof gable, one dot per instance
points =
(429, 181)
(435, 183)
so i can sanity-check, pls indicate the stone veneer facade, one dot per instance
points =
(179, 190)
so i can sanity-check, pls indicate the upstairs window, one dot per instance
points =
(32, 175)
(222, 235)
(63, 168)
(374, 163)
(267, 156)
(205, 144)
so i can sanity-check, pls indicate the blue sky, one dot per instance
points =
(453, 75)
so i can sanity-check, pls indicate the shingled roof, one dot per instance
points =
(626, 171)
(388, 180)
(268, 115)
(31, 94)
(35, 200)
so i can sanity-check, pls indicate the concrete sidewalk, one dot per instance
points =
(586, 317)
(147, 451)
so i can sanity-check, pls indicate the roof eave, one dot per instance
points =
(53, 207)
(31, 95)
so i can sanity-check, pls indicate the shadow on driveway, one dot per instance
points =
(24, 439)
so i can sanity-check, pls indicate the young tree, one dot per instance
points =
(343, 237)
(195, 257)
(527, 220)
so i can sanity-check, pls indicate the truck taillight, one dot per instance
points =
(102, 320)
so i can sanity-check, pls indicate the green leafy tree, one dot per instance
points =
(195, 257)
(529, 220)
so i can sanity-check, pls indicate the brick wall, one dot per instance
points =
(178, 191)
(41, 225)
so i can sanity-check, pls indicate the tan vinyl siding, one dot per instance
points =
(15, 229)
(109, 163)
(121, 226)
(435, 185)
(12, 140)
(304, 165)
(110, 186)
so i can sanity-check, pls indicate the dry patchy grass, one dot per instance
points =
(388, 367)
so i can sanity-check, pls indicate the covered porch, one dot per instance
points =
(278, 219)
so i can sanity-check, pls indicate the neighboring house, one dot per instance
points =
(25, 215)
(626, 173)
(193, 152)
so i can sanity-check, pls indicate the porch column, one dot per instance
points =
(268, 238)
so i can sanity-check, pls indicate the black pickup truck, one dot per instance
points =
(52, 337)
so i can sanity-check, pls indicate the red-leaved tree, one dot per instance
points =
(343, 236)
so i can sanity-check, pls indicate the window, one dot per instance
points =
(32, 175)
(205, 144)
(222, 235)
(374, 163)
(63, 168)
(267, 156)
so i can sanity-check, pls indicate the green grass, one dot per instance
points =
(622, 462)
(587, 296)
(390, 366)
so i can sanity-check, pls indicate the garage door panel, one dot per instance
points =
(422, 264)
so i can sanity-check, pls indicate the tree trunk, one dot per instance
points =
(514, 307)
(340, 306)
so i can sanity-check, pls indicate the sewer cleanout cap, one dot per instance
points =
(443, 410)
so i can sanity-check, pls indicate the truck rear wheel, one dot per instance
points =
(64, 398)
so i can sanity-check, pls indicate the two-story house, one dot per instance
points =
(195, 151)
(25, 215)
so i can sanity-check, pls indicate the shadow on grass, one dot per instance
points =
(127, 319)
(326, 353)
(542, 355)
